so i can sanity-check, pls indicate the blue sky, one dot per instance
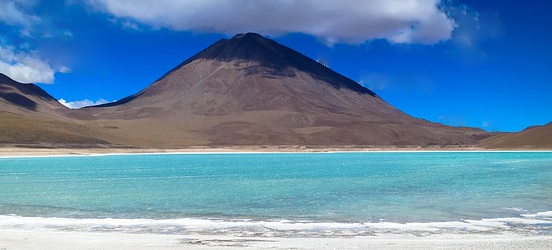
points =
(473, 63)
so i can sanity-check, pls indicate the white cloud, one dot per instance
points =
(130, 25)
(67, 33)
(12, 13)
(20, 62)
(64, 70)
(348, 21)
(24, 67)
(83, 103)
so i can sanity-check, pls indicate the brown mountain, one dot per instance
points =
(536, 137)
(30, 116)
(250, 90)
(17, 97)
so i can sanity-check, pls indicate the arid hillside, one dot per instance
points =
(538, 137)
(31, 117)
(248, 90)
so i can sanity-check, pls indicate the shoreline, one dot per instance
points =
(524, 224)
(53, 239)
(32, 233)
(61, 152)
(126, 234)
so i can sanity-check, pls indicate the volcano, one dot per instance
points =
(251, 90)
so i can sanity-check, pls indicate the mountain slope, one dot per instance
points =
(26, 98)
(539, 137)
(250, 90)
(30, 116)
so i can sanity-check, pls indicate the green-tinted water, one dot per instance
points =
(319, 187)
(348, 186)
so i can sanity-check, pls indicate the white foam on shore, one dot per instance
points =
(541, 214)
(497, 225)
(207, 152)
(165, 153)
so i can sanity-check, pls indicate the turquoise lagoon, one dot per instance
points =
(282, 193)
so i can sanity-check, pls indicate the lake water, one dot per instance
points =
(282, 193)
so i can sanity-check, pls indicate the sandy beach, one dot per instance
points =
(47, 151)
(29, 239)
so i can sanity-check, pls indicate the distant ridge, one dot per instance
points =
(534, 137)
(31, 117)
(25, 96)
